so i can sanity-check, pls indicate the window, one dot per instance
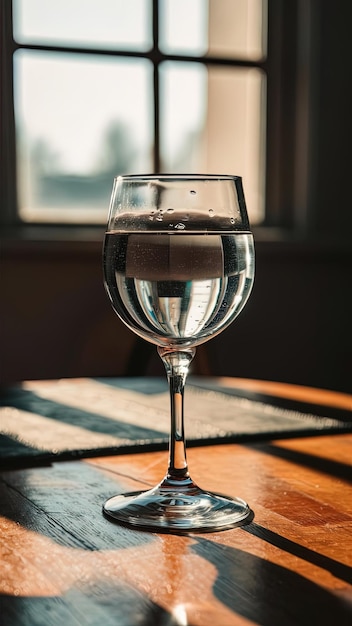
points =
(107, 87)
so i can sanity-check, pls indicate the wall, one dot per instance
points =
(297, 324)
(56, 320)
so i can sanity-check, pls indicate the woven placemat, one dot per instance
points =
(42, 421)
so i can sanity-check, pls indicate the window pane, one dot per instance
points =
(213, 122)
(79, 122)
(183, 26)
(235, 135)
(183, 94)
(103, 23)
(234, 29)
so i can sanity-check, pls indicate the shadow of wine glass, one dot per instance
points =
(95, 604)
(269, 594)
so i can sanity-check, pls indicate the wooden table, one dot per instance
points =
(63, 563)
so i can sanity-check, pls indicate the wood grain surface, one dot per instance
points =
(63, 563)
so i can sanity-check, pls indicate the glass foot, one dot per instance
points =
(167, 510)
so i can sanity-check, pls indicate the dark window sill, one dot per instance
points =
(86, 239)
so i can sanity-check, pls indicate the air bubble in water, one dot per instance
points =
(193, 192)
(211, 212)
(232, 220)
(170, 210)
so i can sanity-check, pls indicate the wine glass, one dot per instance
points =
(178, 268)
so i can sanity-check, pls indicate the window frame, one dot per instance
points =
(286, 124)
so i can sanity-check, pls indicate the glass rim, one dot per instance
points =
(173, 177)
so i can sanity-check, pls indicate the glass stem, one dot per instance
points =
(176, 364)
